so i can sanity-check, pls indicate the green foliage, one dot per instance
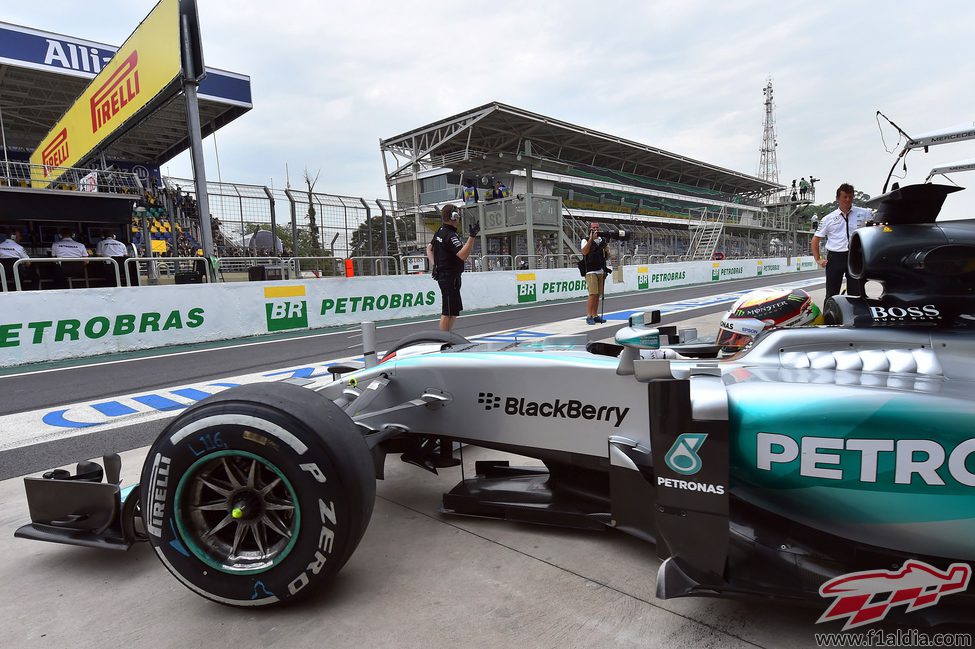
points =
(819, 211)
(368, 239)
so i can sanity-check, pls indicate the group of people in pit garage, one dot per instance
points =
(66, 247)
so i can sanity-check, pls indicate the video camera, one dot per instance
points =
(613, 235)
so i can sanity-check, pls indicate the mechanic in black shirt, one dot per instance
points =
(448, 254)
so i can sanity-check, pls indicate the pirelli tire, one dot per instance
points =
(258, 495)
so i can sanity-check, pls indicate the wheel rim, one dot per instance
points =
(237, 512)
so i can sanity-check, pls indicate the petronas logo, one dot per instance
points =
(682, 457)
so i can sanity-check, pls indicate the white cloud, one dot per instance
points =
(332, 78)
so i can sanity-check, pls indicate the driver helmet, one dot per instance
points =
(763, 309)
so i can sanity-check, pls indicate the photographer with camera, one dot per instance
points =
(594, 258)
(447, 256)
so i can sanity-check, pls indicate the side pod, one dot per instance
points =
(689, 438)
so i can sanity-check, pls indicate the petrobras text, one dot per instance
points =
(821, 457)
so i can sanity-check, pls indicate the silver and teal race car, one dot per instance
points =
(827, 461)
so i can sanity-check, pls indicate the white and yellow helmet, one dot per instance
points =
(763, 309)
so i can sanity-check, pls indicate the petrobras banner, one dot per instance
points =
(147, 66)
(40, 326)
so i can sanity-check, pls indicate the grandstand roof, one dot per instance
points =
(42, 73)
(491, 138)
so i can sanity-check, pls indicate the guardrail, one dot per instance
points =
(524, 262)
(156, 264)
(377, 261)
(65, 260)
(338, 269)
(503, 262)
(559, 261)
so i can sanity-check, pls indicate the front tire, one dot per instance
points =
(258, 495)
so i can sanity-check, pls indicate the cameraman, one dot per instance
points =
(594, 257)
(448, 254)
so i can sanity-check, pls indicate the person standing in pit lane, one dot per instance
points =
(447, 255)
(836, 228)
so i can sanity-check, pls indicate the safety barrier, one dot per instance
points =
(71, 261)
(35, 327)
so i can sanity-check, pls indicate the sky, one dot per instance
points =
(330, 79)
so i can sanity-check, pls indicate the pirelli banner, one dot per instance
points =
(145, 73)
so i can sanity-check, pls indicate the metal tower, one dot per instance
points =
(768, 165)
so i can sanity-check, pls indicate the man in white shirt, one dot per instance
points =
(11, 250)
(111, 247)
(837, 227)
(9, 247)
(67, 247)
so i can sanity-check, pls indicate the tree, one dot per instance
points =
(819, 211)
(312, 224)
(378, 236)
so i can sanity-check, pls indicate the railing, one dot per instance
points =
(156, 264)
(65, 260)
(377, 261)
(337, 270)
(557, 261)
(496, 262)
(24, 174)
(524, 262)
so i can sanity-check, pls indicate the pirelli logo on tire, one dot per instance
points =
(285, 308)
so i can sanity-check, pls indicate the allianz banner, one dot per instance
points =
(144, 73)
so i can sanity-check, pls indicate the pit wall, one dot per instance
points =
(37, 326)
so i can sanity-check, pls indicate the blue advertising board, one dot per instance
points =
(38, 50)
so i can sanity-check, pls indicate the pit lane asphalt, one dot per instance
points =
(52, 386)
(418, 579)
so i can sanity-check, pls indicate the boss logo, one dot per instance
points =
(926, 312)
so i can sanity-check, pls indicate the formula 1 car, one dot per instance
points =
(811, 453)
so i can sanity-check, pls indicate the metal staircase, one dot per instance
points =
(705, 235)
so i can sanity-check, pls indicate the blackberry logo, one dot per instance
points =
(488, 400)
(564, 409)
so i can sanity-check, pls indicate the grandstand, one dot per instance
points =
(673, 205)
(42, 74)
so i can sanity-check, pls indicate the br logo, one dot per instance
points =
(526, 287)
(759, 267)
(283, 310)
(642, 278)
(715, 272)
(682, 457)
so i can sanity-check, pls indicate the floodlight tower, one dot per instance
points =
(768, 164)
